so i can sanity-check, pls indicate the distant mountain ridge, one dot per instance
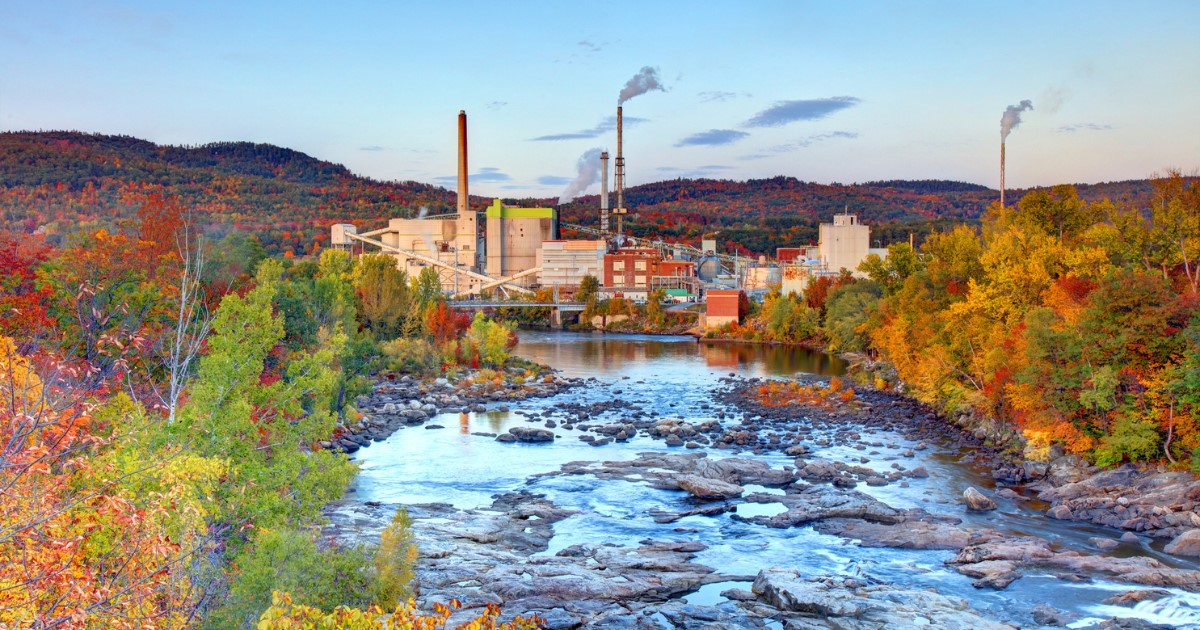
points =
(61, 181)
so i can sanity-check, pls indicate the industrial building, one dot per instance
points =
(565, 263)
(635, 272)
(507, 250)
(723, 306)
(844, 243)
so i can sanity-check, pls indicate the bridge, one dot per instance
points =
(477, 304)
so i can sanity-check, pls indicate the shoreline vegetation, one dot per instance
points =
(164, 403)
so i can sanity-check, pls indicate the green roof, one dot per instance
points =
(499, 211)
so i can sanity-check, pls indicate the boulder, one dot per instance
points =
(708, 489)
(1185, 544)
(976, 501)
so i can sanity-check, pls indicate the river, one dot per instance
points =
(675, 377)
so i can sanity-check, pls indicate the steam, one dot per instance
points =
(424, 211)
(641, 83)
(1012, 118)
(589, 172)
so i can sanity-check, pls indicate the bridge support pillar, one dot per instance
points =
(556, 319)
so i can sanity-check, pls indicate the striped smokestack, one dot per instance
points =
(604, 192)
(462, 162)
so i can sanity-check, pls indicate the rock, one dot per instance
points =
(1104, 544)
(918, 472)
(529, 434)
(1046, 615)
(977, 501)
(712, 510)
(997, 574)
(1185, 544)
(906, 535)
(506, 437)
(838, 602)
(1130, 537)
(708, 489)
(876, 481)
(1132, 597)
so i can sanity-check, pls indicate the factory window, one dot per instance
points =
(639, 281)
(640, 265)
(618, 265)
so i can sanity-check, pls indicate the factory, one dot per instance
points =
(504, 251)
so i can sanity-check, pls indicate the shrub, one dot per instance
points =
(1136, 439)
(410, 355)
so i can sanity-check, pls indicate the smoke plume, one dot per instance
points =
(589, 172)
(641, 83)
(1012, 118)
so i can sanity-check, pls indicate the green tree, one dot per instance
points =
(847, 311)
(492, 339)
(383, 294)
(264, 424)
(655, 315)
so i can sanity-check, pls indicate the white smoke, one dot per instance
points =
(1012, 118)
(641, 83)
(589, 172)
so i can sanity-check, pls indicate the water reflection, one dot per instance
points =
(600, 354)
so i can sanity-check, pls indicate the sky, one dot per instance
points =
(821, 91)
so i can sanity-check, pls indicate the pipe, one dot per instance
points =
(604, 192)
(462, 163)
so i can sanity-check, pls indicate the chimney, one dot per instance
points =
(1001, 177)
(604, 192)
(462, 163)
(620, 178)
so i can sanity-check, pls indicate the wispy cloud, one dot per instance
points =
(373, 147)
(719, 96)
(605, 126)
(708, 170)
(712, 137)
(553, 180)
(485, 174)
(785, 112)
(592, 46)
(1083, 127)
(495, 105)
(801, 143)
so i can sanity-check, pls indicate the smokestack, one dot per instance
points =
(620, 178)
(604, 192)
(1002, 173)
(462, 163)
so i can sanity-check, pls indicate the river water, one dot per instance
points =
(674, 377)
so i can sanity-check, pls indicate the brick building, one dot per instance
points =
(723, 307)
(635, 270)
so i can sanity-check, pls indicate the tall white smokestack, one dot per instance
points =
(604, 192)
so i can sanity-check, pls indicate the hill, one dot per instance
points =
(58, 182)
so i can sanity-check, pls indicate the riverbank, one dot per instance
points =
(1146, 500)
(659, 498)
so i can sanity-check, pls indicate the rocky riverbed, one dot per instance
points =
(623, 507)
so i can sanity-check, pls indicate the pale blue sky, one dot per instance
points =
(845, 91)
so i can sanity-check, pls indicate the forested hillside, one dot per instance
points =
(58, 182)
